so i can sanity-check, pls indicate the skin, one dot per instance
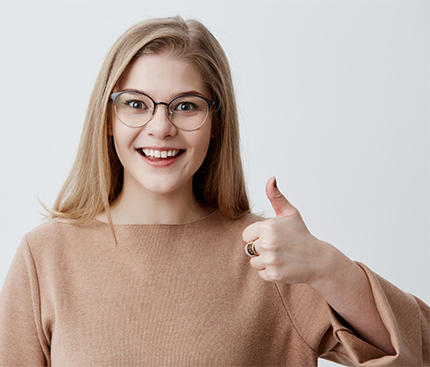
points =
(289, 253)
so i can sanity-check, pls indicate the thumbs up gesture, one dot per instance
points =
(286, 251)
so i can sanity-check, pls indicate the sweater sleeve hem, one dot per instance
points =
(401, 316)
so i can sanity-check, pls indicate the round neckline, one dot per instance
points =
(207, 216)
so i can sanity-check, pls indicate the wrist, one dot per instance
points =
(334, 269)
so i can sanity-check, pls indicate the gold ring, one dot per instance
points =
(250, 249)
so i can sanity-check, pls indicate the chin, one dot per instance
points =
(164, 188)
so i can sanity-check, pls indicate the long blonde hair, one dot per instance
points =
(96, 176)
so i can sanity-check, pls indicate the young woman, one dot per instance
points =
(143, 260)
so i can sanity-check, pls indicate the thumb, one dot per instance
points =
(280, 204)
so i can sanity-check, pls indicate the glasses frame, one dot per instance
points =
(209, 102)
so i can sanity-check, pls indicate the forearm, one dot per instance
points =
(345, 287)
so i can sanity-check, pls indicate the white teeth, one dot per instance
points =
(160, 153)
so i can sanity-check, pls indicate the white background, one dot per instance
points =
(333, 99)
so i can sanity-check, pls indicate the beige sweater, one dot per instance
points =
(179, 295)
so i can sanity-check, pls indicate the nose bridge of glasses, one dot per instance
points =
(156, 104)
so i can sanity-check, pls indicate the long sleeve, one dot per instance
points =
(406, 318)
(22, 341)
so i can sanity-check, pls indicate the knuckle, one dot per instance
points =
(265, 245)
(270, 243)
(270, 260)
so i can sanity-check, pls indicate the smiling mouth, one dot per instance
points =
(153, 154)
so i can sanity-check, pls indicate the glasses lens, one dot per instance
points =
(133, 109)
(188, 112)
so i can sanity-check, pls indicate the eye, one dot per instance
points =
(185, 106)
(135, 104)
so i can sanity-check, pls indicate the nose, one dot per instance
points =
(160, 125)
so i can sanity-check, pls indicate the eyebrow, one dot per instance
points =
(192, 92)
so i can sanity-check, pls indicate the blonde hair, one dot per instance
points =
(96, 176)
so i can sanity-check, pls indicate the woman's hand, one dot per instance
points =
(289, 253)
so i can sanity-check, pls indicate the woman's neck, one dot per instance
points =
(155, 209)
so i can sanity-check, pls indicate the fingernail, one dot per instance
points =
(275, 184)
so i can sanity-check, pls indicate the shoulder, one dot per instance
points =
(50, 228)
(57, 235)
(56, 229)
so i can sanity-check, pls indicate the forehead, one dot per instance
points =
(162, 76)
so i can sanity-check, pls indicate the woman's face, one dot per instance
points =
(158, 157)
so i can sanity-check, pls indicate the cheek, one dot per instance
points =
(123, 137)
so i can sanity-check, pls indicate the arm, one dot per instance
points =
(288, 253)
(345, 287)
(22, 341)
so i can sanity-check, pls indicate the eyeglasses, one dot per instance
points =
(187, 112)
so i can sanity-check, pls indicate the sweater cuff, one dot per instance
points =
(401, 316)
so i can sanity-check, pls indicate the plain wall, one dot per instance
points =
(333, 101)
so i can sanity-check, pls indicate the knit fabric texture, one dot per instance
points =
(179, 295)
